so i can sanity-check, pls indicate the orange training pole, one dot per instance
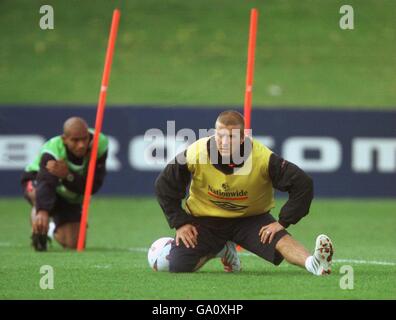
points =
(249, 73)
(250, 67)
(98, 128)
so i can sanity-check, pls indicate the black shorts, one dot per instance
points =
(63, 211)
(214, 232)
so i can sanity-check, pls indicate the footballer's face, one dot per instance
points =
(77, 141)
(228, 139)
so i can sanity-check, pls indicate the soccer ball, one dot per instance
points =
(158, 254)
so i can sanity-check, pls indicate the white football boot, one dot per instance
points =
(323, 255)
(230, 258)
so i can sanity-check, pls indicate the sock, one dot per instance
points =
(51, 230)
(312, 265)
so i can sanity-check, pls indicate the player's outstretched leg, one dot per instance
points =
(229, 257)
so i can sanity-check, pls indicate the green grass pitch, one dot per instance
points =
(114, 265)
(179, 52)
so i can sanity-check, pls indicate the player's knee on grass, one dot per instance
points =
(67, 235)
(65, 241)
(182, 259)
(182, 264)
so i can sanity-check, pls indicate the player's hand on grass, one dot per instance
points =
(188, 234)
(58, 168)
(40, 222)
(267, 233)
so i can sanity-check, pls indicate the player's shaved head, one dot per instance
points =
(76, 136)
(231, 118)
(74, 125)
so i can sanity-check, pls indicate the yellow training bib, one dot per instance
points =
(246, 192)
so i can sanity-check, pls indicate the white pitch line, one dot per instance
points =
(379, 263)
(245, 253)
(102, 266)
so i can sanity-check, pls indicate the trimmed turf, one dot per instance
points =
(114, 266)
(179, 52)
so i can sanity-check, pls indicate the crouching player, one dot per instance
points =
(231, 180)
(54, 183)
